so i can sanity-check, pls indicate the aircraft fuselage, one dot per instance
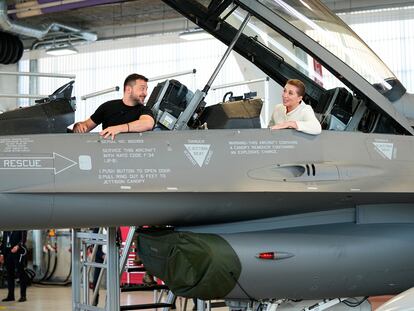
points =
(196, 177)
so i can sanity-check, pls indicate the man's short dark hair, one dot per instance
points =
(130, 80)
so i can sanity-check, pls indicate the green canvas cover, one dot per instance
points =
(192, 265)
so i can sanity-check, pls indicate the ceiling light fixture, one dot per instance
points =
(67, 49)
(195, 34)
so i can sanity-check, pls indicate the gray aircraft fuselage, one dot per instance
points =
(196, 177)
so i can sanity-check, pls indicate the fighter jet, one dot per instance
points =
(261, 218)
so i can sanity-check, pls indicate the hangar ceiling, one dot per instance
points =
(91, 14)
(119, 18)
(352, 5)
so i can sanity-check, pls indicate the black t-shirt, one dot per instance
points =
(115, 112)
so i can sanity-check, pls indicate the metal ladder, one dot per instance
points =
(81, 267)
(81, 299)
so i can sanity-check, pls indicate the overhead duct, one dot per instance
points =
(58, 40)
(11, 48)
(13, 27)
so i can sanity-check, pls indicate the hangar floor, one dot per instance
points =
(48, 298)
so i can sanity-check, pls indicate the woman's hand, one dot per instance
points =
(285, 125)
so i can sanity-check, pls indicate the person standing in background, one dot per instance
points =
(13, 254)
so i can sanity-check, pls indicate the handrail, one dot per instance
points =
(38, 74)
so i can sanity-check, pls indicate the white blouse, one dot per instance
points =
(303, 115)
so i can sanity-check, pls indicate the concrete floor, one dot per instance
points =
(40, 298)
(48, 298)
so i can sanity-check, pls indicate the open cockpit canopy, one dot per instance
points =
(303, 39)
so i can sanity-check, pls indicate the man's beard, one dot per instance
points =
(137, 100)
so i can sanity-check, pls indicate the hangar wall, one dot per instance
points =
(8, 85)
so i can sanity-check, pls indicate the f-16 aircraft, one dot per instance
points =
(250, 215)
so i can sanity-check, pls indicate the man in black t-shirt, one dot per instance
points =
(122, 115)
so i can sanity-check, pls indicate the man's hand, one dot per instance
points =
(84, 126)
(112, 131)
(15, 249)
(1, 259)
(80, 127)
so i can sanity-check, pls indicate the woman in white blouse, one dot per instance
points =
(294, 113)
